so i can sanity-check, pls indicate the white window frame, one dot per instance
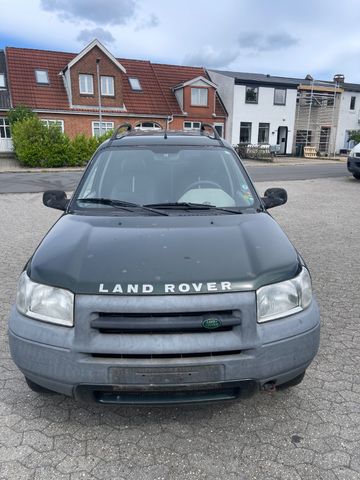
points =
(2, 80)
(222, 128)
(198, 99)
(5, 126)
(155, 126)
(106, 127)
(107, 86)
(51, 121)
(135, 84)
(88, 84)
(192, 127)
(38, 74)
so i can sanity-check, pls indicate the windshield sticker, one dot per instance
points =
(167, 288)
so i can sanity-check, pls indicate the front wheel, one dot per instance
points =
(37, 388)
(357, 176)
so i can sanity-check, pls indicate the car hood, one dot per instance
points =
(164, 255)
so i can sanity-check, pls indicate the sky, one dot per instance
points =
(276, 37)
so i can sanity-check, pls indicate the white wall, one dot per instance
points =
(348, 119)
(225, 88)
(264, 112)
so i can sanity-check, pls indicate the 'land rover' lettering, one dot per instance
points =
(182, 288)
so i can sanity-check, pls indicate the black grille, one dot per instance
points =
(165, 356)
(167, 323)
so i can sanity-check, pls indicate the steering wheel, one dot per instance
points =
(202, 182)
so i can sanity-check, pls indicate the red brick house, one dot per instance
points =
(63, 88)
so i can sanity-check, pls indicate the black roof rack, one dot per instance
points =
(124, 126)
(213, 129)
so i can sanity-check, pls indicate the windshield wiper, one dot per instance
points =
(191, 206)
(129, 206)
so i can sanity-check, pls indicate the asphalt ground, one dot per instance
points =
(311, 431)
(21, 182)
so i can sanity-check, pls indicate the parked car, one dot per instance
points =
(165, 280)
(353, 162)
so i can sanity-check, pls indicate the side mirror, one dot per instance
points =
(273, 197)
(55, 199)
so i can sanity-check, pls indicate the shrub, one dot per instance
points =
(37, 145)
(19, 113)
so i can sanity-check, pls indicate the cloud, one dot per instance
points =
(88, 35)
(259, 42)
(101, 12)
(209, 56)
(151, 22)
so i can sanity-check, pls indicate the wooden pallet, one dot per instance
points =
(310, 152)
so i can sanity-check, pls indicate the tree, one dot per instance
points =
(21, 112)
(354, 135)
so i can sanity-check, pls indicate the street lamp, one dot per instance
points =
(99, 94)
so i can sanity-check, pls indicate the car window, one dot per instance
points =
(145, 175)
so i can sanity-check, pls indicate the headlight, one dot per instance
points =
(285, 298)
(49, 304)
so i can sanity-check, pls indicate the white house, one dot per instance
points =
(349, 116)
(261, 108)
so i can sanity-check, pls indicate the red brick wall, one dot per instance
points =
(87, 65)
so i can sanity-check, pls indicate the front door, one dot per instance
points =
(5, 136)
(282, 139)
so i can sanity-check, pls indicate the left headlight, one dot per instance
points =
(285, 298)
(42, 302)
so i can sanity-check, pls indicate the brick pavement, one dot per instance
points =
(309, 432)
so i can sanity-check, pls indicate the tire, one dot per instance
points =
(357, 176)
(293, 382)
(37, 388)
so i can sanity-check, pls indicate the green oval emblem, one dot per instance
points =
(211, 323)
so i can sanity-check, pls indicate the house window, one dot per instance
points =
(48, 122)
(105, 127)
(42, 77)
(263, 136)
(4, 128)
(148, 126)
(245, 132)
(303, 137)
(2, 80)
(219, 127)
(86, 84)
(135, 84)
(199, 97)
(352, 103)
(107, 86)
(192, 125)
(279, 96)
(251, 94)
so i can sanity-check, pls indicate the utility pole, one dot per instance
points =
(99, 93)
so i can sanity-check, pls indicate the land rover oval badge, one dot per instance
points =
(211, 323)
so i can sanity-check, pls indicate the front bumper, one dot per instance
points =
(165, 368)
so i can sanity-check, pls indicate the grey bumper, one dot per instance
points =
(82, 362)
(353, 164)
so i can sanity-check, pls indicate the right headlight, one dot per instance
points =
(45, 303)
(285, 298)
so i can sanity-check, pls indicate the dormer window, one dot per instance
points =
(135, 84)
(199, 97)
(107, 86)
(86, 84)
(42, 77)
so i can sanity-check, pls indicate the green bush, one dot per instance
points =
(38, 145)
(19, 113)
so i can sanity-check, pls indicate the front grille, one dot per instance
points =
(166, 323)
(165, 356)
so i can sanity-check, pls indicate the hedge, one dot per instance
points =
(38, 145)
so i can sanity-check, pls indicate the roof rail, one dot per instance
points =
(124, 126)
(213, 129)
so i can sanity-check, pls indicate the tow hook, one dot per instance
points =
(269, 387)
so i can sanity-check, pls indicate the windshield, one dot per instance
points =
(160, 175)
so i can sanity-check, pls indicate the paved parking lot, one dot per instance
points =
(309, 432)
